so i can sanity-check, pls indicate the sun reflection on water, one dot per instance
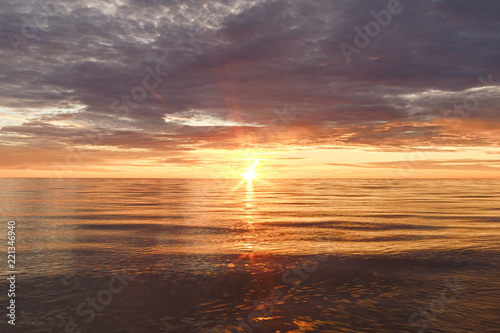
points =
(249, 241)
(249, 197)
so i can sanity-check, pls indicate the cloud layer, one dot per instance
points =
(165, 77)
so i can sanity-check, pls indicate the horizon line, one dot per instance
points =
(238, 178)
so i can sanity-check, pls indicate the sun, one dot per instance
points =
(250, 174)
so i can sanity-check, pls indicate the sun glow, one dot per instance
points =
(250, 173)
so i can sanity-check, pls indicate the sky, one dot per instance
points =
(205, 89)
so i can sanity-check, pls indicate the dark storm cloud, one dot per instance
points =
(245, 62)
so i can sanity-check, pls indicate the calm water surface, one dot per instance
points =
(203, 255)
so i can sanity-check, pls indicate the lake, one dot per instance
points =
(276, 255)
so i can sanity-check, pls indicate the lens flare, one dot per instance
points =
(250, 173)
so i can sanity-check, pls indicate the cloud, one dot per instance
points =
(247, 73)
(180, 160)
(202, 119)
(453, 164)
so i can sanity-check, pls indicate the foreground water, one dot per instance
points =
(172, 255)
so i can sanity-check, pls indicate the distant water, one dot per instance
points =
(208, 255)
